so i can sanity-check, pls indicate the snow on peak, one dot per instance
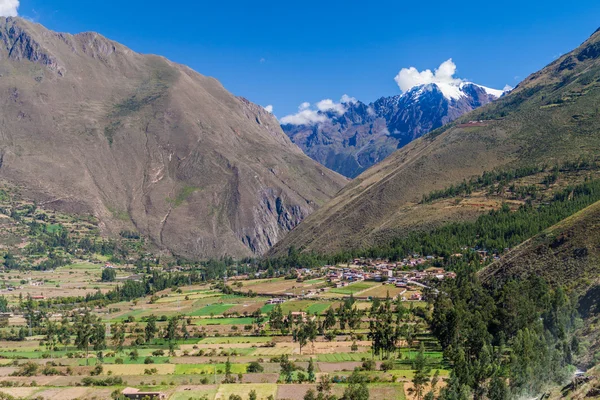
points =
(442, 77)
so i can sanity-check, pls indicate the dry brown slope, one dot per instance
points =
(88, 125)
(551, 116)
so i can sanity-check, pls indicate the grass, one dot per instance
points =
(263, 390)
(353, 288)
(239, 339)
(138, 369)
(194, 394)
(342, 357)
(213, 309)
(224, 321)
(207, 369)
(318, 308)
(267, 308)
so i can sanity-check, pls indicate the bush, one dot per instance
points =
(254, 367)
(148, 360)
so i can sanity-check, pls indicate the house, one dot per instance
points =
(275, 301)
(133, 393)
(38, 297)
(416, 296)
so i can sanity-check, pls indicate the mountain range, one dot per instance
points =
(549, 118)
(352, 138)
(89, 126)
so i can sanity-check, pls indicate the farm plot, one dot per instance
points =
(195, 392)
(202, 369)
(354, 288)
(224, 321)
(318, 308)
(137, 369)
(239, 339)
(213, 309)
(263, 390)
(381, 291)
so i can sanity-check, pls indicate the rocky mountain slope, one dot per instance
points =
(365, 134)
(552, 116)
(89, 126)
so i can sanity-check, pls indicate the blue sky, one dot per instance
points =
(284, 53)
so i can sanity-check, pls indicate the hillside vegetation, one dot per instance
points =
(550, 118)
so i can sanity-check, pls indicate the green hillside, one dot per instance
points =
(552, 117)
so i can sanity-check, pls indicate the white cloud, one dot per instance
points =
(8, 8)
(304, 117)
(408, 78)
(316, 114)
(348, 100)
(269, 109)
(330, 105)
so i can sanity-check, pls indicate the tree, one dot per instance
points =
(329, 321)
(310, 395)
(421, 376)
(133, 355)
(357, 388)
(301, 336)
(83, 333)
(287, 368)
(118, 336)
(150, 329)
(254, 367)
(98, 339)
(172, 325)
(498, 389)
(108, 275)
(311, 371)
(252, 395)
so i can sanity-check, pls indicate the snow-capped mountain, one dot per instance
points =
(364, 134)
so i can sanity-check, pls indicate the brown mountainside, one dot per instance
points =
(550, 117)
(87, 125)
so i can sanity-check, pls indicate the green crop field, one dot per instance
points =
(203, 369)
(341, 357)
(195, 394)
(225, 321)
(214, 309)
(238, 339)
(353, 288)
(318, 308)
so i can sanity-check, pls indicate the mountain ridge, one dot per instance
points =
(548, 118)
(145, 144)
(365, 134)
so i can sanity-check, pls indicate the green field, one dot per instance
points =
(225, 321)
(238, 339)
(213, 309)
(267, 308)
(341, 357)
(353, 288)
(204, 369)
(318, 308)
(194, 394)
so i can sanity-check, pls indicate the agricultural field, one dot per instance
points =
(217, 349)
